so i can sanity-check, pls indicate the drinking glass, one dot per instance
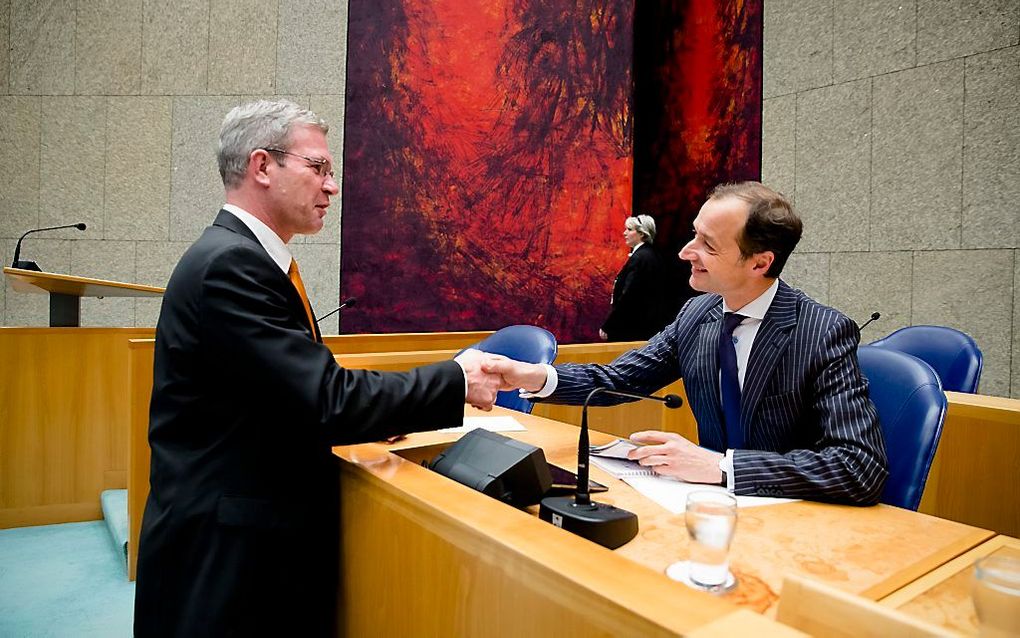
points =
(711, 519)
(996, 595)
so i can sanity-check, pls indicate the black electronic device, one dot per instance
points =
(31, 265)
(505, 469)
(601, 523)
(564, 483)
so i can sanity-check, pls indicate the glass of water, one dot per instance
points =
(711, 519)
(997, 595)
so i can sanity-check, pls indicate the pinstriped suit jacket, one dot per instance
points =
(810, 428)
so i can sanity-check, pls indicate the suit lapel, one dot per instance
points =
(706, 363)
(769, 344)
(230, 221)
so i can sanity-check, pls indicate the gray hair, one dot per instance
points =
(262, 124)
(644, 225)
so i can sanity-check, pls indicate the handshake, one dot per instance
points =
(487, 374)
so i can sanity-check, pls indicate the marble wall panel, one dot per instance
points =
(137, 168)
(991, 151)
(42, 47)
(972, 291)
(196, 190)
(866, 282)
(5, 50)
(72, 161)
(779, 144)
(951, 29)
(797, 45)
(917, 158)
(311, 55)
(810, 273)
(20, 125)
(834, 166)
(242, 47)
(872, 37)
(108, 51)
(175, 47)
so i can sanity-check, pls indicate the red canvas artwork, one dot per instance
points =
(488, 163)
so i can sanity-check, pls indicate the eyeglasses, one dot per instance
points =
(322, 167)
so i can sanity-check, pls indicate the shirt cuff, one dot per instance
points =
(726, 465)
(551, 381)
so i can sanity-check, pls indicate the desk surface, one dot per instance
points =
(943, 596)
(867, 551)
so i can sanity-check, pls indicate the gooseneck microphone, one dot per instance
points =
(874, 316)
(604, 524)
(31, 265)
(350, 302)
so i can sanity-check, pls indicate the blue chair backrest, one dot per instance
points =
(523, 343)
(911, 409)
(953, 354)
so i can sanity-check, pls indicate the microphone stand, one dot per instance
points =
(874, 316)
(31, 265)
(602, 523)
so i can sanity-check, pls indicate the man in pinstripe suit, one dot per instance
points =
(797, 420)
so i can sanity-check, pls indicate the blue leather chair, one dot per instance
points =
(524, 343)
(911, 408)
(953, 354)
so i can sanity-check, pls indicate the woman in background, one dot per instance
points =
(638, 292)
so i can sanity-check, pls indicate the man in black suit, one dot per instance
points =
(240, 531)
(771, 375)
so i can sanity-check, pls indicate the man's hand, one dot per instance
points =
(670, 454)
(517, 374)
(482, 385)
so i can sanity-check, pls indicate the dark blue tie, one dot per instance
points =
(729, 383)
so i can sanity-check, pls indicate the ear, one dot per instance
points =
(761, 262)
(258, 166)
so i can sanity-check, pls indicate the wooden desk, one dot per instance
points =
(420, 548)
(942, 596)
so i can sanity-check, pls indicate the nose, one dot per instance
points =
(687, 252)
(330, 186)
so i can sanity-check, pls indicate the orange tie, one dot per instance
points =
(295, 278)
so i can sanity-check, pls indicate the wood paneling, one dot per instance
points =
(974, 477)
(63, 421)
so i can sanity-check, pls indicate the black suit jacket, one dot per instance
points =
(810, 429)
(638, 295)
(240, 531)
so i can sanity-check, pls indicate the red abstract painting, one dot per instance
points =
(488, 163)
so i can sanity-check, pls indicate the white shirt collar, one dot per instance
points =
(634, 249)
(757, 308)
(266, 236)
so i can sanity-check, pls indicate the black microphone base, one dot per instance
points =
(604, 524)
(26, 265)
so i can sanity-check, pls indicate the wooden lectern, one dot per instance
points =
(66, 292)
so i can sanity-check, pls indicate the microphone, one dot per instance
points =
(874, 316)
(31, 265)
(604, 524)
(347, 303)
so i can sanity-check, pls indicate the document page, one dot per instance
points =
(668, 492)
